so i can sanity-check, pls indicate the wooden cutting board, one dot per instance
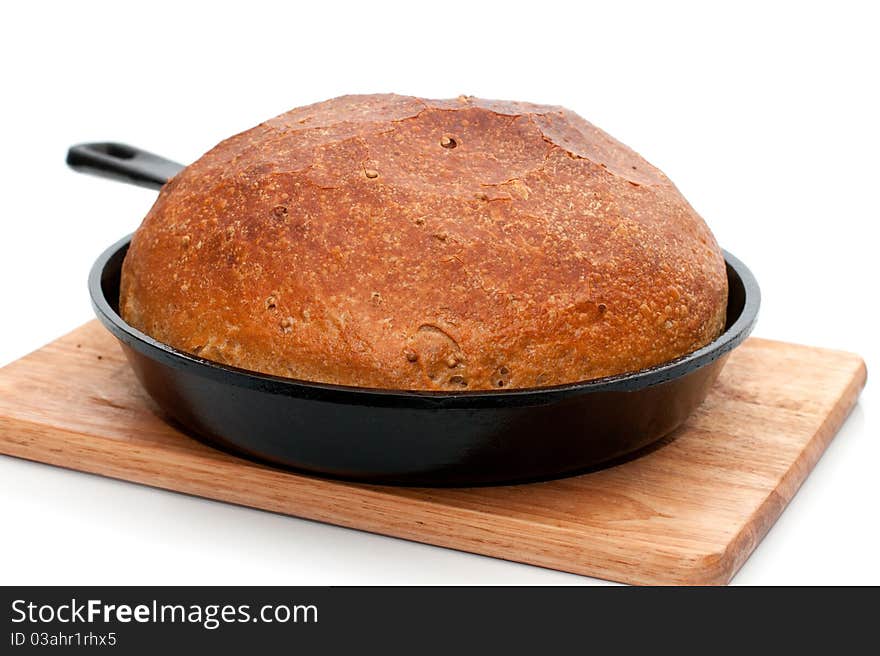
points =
(689, 511)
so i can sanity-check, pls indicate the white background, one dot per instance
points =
(765, 115)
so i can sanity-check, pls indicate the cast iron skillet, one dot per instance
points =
(406, 437)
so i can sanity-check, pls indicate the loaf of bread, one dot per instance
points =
(394, 242)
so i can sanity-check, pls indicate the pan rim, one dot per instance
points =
(732, 337)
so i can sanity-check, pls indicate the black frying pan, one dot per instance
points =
(401, 437)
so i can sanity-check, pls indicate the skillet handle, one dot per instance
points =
(122, 162)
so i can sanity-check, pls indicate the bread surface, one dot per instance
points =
(395, 242)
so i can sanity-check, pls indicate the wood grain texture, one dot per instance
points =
(690, 511)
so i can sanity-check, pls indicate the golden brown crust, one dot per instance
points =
(395, 242)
